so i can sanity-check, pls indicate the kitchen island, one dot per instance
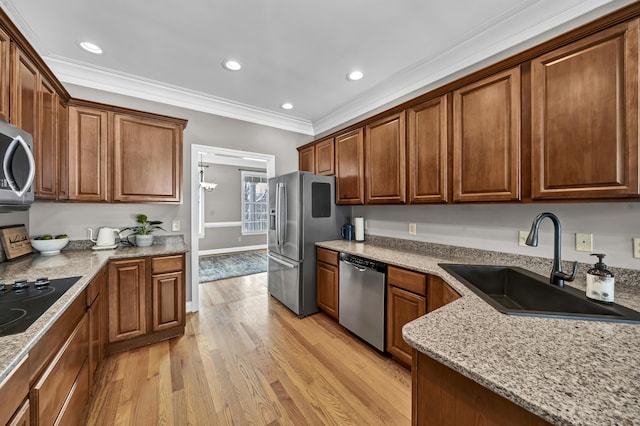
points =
(564, 371)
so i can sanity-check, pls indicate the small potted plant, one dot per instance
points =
(143, 230)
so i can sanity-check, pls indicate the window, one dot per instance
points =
(255, 189)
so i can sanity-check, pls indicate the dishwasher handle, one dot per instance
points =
(359, 268)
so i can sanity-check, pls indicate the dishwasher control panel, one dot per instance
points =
(363, 262)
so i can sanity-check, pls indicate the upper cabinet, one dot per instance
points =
(24, 93)
(46, 148)
(88, 154)
(385, 168)
(585, 117)
(147, 159)
(324, 158)
(63, 150)
(486, 139)
(428, 141)
(5, 73)
(350, 167)
(307, 159)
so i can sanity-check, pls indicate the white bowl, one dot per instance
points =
(49, 247)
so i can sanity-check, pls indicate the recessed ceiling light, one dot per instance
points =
(286, 105)
(91, 47)
(232, 65)
(355, 75)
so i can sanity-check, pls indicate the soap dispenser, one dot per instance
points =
(600, 281)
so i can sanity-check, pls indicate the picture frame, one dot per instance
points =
(15, 241)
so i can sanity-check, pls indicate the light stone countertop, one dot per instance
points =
(84, 263)
(569, 372)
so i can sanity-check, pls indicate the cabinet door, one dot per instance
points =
(402, 307)
(88, 151)
(350, 167)
(325, 158)
(63, 150)
(328, 290)
(486, 139)
(585, 117)
(24, 93)
(46, 150)
(147, 159)
(439, 293)
(307, 159)
(22, 416)
(428, 140)
(168, 301)
(5, 72)
(385, 160)
(127, 299)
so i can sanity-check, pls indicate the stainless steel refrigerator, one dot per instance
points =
(302, 211)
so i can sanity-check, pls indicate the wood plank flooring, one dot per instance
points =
(245, 359)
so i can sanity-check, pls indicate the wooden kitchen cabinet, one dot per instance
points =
(5, 73)
(127, 299)
(325, 158)
(307, 159)
(97, 311)
(14, 390)
(439, 293)
(147, 159)
(168, 305)
(328, 282)
(24, 93)
(584, 99)
(63, 149)
(46, 148)
(22, 416)
(146, 301)
(442, 396)
(88, 154)
(406, 301)
(349, 165)
(428, 151)
(385, 160)
(486, 139)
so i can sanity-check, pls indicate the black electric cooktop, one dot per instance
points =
(22, 302)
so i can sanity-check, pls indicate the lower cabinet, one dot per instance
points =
(22, 416)
(14, 392)
(146, 301)
(97, 312)
(442, 396)
(327, 282)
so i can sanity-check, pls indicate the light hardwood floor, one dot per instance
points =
(247, 360)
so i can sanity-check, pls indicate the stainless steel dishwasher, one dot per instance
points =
(362, 298)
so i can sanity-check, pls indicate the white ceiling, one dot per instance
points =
(296, 51)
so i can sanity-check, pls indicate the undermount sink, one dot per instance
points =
(516, 291)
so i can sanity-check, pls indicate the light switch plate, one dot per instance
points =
(412, 229)
(175, 225)
(522, 238)
(584, 242)
(636, 248)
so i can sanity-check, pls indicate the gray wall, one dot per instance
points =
(495, 227)
(202, 129)
(224, 204)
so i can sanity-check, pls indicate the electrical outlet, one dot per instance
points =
(412, 229)
(522, 238)
(584, 242)
(175, 225)
(636, 248)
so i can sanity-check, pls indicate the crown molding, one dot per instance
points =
(82, 74)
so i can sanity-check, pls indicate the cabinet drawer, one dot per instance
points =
(73, 409)
(51, 391)
(414, 282)
(96, 286)
(162, 265)
(327, 256)
(13, 390)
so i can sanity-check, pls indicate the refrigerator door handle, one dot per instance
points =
(281, 214)
(282, 262)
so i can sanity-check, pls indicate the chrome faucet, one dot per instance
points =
(557, 276)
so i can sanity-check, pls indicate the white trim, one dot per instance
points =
(222, 224)
(232, 250)
(189, 307)
(207, 151)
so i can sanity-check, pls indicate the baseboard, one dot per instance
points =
(231, 250)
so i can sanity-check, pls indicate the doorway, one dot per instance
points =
(203, 154)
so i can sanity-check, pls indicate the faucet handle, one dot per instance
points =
(567, 277)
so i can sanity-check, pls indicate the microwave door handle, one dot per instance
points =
(8, 157)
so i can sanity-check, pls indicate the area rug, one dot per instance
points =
(223, 266)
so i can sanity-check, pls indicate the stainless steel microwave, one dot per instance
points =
(18, 168)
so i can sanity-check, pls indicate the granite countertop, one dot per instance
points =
(84, 263)
(566, 371)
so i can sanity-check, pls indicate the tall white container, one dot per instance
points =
(359, 225)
